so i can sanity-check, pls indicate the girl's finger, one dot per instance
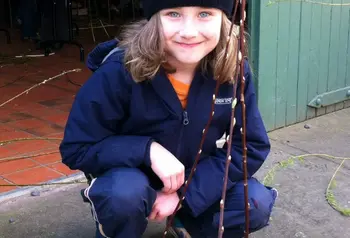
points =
(167, 185)
(180, 179)
(174, 185)
(159, 217)
(154, 213)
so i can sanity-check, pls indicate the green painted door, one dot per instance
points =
(299, 53)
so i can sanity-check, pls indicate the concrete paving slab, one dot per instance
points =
(327, 134)
(301, 209)
(56, 213)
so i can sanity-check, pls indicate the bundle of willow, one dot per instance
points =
(239, 71)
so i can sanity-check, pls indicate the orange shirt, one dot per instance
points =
(181, 89)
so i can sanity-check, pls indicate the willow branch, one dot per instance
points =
(37, 85)
(244, 123)
(44, 184)
(229, 137)
(3, 160)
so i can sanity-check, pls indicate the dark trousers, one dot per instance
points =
(122, 198)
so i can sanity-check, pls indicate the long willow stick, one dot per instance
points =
(241, 56)
(244, 130)
(38, 84)
(188, 181)
(240, 61)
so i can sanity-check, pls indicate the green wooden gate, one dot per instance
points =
(300, 58)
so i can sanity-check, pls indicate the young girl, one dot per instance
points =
(136, 124)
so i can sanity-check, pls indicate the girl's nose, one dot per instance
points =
(188, 31)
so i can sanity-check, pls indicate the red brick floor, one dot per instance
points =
(40, 113)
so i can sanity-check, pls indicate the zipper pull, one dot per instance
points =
(185, 118)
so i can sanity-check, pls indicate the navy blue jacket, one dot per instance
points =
(113, 120)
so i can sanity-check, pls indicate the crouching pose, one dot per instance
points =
(136, 124)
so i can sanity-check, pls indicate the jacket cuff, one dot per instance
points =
(148, 153)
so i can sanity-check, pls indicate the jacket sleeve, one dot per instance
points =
(206, 186)
(92, 142)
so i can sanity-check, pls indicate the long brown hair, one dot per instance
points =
(143, 43)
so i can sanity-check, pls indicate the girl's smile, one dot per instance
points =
(188, 45)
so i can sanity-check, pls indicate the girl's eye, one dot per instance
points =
(204, 14)
(173, 14)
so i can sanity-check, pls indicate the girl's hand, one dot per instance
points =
(164, 206)
(167, 167)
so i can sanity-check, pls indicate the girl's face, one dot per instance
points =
(190, 33)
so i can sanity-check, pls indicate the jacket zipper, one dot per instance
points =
(185, 122)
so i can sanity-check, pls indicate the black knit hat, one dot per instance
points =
(151, 7)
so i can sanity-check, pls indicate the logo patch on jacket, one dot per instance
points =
(223, 101)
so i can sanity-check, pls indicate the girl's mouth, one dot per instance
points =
(188, 45)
